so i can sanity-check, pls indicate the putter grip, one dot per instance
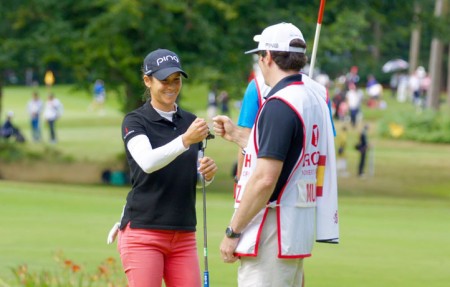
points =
(206, 279)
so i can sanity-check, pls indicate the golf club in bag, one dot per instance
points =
(205, 232)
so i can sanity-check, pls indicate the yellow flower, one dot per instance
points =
(396, 130)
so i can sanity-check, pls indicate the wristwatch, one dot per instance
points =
(231, 234)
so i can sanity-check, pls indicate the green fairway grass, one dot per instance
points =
(395, 224)
(385, 241)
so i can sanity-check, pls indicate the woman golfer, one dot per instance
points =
(157, 231)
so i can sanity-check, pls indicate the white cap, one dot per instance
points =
(277, 38)
(10, 114)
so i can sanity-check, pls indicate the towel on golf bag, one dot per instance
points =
(327, 225)
(327, 220)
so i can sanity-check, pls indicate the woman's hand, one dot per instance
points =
(207, 168)
(196, 132)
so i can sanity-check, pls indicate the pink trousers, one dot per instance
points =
(149, 256)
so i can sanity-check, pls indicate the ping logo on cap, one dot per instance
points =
(167, 58)
(271, 45)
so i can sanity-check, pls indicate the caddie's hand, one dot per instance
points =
(196, 132)
(207, 168)
(224, 127)
(227, 248)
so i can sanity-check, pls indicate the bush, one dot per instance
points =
(10, 151)
(427, 126)
(13, 152)
(70, 274)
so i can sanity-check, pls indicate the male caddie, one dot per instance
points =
(286, 197)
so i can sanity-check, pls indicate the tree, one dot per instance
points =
(415, 39)
(88, 39)
(448, 79)
(6, 59)
(435, 66)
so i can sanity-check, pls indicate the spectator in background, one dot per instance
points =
(52, 112)
(424, 86)
(352, 77)
(29, 77)
(374, 90)
(416, 85)
(354, 98)
(343, 112)
(224, 100)
(338, 92)
(393, 83)
(9, 130)
(212, 103)
(362, 147)
(402, 87)
(338, 100)
(254, 97)
(35, 107)
(98, 102)
(341, 161)
(323, 79)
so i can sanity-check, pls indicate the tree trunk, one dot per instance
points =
(1, 97)
(435, 65)
(377, 35)
(448, 78)
(415, 39)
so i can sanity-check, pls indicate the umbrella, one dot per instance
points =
(395, 65)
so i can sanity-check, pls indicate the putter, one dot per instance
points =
(205, 232)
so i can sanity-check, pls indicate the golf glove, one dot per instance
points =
(113, 233)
